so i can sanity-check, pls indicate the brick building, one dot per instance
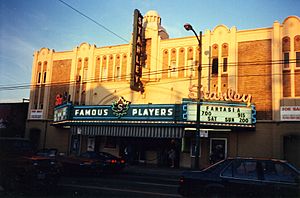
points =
(263, 63)
(13, 118)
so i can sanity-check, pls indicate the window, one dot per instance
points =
(215, 65)
(225, 65)
(298, 59)
(104, 73)
(173, 69)
(45, 77)
(193, 149)
(85, 75)
(118, 72)
(241, 169)
(286, 60)
(185, 144)
(228, 172)
(39, 77)
(191, 70)
(278, 172)
(218, 149)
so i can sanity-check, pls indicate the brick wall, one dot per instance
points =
(60, 79)
(287, 83)
(254, 75)
(297, 83)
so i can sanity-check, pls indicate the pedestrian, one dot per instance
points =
(172, 155)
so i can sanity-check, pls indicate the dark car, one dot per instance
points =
(52, 152)
(242, 177)
(111, 162)
(85, 163)
(108, 161)
(22, 169)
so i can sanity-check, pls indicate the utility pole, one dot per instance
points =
(189, 27)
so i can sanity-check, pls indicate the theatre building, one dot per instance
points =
(142, 96)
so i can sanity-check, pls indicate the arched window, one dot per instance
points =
(286, 44)
(225, 57)
(110, 67)
(215, 60)
(124, 67)
(224, 49)
(181, 61)
(165, 66)
(39, 78)
(297, 50)
(85, 70)
(97, 69)
(173, 67)
(118, 68)
(297, 43)
(215, 50)
(190, 53)
(79, 64)
(45, 72)
(215, 65)
(104, 68)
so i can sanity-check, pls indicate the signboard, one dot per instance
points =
(290, 113)
(137, 52)
(125, 112)
(36, 114)
(61, 113)
(221, 113)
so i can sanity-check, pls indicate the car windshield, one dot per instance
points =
(106, 154)
(217, 166)
(91, 155)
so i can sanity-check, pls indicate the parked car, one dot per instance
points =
(91, 162)
(111, 162)
(242, 177)
(85, 163)
(22, 169)
(52, 152)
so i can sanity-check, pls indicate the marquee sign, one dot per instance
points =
(131, 112)
(221, 113)
(216, 95)
(211, 113)
(61, 113)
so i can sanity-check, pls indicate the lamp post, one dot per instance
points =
(189, 27)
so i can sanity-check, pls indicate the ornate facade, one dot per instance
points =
(263, 63)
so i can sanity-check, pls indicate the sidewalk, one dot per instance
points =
(154, 170)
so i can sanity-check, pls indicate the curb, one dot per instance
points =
(152, 170)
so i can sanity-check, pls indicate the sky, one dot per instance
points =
(27, 26)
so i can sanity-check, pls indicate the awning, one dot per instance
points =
(129, 131)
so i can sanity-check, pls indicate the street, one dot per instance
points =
(132, 182)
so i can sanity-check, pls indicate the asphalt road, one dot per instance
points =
(133, 182)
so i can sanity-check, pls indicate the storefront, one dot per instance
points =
(148, 133)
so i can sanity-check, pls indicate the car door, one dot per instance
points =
(280, 179)
(241, 178)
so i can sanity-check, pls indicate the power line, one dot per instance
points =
(183, 68)
(93, 20)
(99, 24)
(110, 79)
(178, 69)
